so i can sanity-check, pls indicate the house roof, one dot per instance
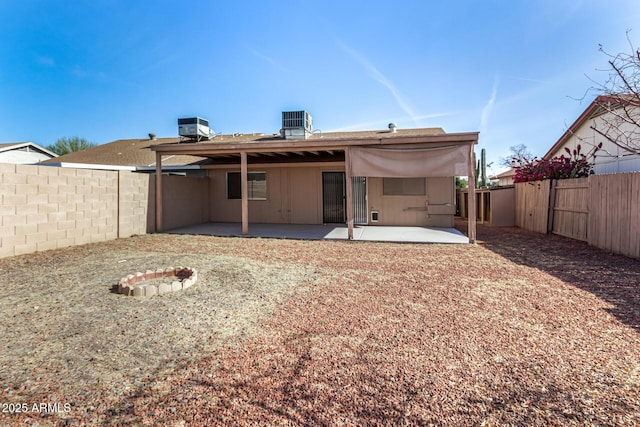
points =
(139, 153)
(318, 147)
(507, 173)
(125, 152)
(595, 109)
(8, 146)
(325, 142)
(322, 136)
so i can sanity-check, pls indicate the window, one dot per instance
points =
(256, 185)
(403, 186)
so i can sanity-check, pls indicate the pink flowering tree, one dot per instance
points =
(574, 165)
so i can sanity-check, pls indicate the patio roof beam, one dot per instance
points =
(243, 189)
(347, 174)
(203, 148)
(158, 192)
(471, 202)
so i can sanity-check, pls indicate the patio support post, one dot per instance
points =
(158, 192)
(245, 198)
(347, 173)
(471, 199)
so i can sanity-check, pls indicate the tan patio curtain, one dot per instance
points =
(396, 162)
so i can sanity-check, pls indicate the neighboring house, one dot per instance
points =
(127, 154)
(587, 131)
(506, 177)
(386, 177)
(24, 153)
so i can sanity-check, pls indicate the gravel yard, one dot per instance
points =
(520, 329)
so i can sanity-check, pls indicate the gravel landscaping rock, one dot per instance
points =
(520, 329)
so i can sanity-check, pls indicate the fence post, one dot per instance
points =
(552, 205)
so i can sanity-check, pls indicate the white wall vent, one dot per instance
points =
(296, 124)
(194, 128)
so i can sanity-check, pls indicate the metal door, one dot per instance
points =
(333, 197)
(359, 200)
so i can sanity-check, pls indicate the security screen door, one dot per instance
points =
(359, 195)
(334, 198)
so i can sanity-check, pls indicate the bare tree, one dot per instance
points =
(618, 100)
(519, 154)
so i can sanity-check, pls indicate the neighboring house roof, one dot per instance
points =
(24, 152)
(507, 173)
(124, 152)
(594, 109)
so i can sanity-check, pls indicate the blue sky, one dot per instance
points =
(111, 69)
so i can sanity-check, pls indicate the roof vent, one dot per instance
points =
(393, 127)
(296, 124)
(194, 128)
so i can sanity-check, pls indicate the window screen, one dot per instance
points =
(403, 186)
(256, 185)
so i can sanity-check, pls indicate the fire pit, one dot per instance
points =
(160, 281)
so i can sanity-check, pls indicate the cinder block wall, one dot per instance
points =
(44, 207)
(134, 203)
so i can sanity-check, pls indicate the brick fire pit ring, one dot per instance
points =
(160, 281)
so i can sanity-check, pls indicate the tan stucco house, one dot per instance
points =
(387, 177)
(506, 178)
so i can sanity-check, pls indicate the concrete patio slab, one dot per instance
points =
(330, 232)
(411, 234)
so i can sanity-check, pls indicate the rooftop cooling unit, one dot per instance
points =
(296, 124)
(194, 128)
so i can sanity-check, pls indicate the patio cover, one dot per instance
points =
(406, 155)
(403, 162)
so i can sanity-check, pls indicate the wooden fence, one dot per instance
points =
(532, 205)
(602, 210)
(614, 213)
(569, 211)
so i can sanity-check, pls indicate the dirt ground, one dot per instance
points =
(519, 329)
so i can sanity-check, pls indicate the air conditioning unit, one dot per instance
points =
(296, 124)
(194, 128)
